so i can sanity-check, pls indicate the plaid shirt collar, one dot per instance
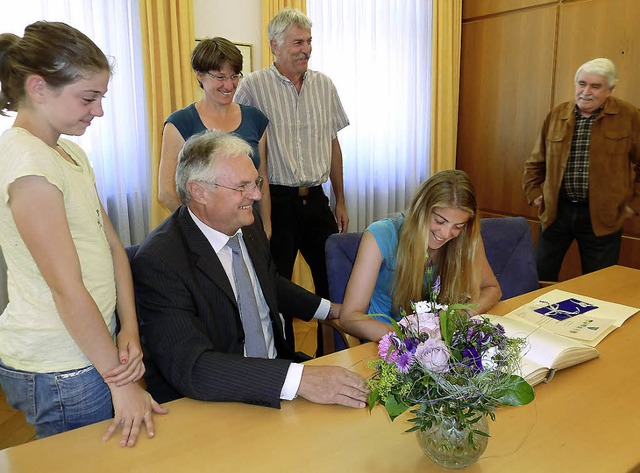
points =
(593, 116)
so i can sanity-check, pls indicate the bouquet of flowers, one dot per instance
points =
(444, 364)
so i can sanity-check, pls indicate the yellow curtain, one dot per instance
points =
(447, 30)
(269, 9)
(167, 42)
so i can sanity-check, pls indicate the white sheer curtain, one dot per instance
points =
(117, 143)
(378, 53)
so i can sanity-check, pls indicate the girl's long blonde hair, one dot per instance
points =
(459, 278)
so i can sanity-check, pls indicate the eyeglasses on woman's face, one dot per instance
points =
(221, 78)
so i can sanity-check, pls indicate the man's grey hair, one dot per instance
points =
(199, 155)
(283, 20)
(602, 67)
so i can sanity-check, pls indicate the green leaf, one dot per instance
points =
(518, 393)
(395, 408)
(480, 432)
(373, 399)
(456, 354)
(445, 327)
(396, 328)
(461, 306)
(391, 320)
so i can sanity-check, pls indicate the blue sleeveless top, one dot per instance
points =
(251, 129)
(387, 233)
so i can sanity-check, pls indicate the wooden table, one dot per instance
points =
(587, 419)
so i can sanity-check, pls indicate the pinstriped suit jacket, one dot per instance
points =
(189, 320)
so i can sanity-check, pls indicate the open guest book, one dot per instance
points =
(562, 330)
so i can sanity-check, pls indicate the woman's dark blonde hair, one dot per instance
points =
(57, 52)
(459, 278)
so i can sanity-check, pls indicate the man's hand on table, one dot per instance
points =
(333, 385)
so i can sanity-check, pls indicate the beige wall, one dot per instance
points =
(237, 20)
(518, 60)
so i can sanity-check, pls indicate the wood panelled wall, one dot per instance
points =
(518, 60)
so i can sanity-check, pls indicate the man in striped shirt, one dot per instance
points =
(581, 173)
(305, 115)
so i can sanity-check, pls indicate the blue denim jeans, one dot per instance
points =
(57, 402)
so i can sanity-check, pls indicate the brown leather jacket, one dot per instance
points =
(614, 154)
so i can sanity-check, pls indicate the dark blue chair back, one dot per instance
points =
(340, 251)
(340, 254)
(509, 247)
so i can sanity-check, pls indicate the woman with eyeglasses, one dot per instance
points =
(217, 63)
(432, 250)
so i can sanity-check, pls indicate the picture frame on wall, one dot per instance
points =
(247, 55)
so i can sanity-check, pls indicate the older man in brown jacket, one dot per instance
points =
(581, 173)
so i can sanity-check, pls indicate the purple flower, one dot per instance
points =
(471, 358)
(480, 337)
(433, 355)
(410, 344)
(404, 362)
(436, 288)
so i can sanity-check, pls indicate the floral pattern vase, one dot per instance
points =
(449, 446)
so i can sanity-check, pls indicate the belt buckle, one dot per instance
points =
(303, 191)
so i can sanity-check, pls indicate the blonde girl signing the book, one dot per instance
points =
(67, 270)
(400, 259)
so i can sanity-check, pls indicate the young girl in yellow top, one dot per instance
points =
(67, 270)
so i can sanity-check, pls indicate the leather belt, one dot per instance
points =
(294, 191)
(567, 200)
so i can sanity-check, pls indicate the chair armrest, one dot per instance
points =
(546, 283)
(328, 327)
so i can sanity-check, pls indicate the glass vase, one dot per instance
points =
(448, 445)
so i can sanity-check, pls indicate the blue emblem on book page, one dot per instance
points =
(565, 309)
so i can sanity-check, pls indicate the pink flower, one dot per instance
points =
(423, 323)
(386, 348)
(433, 355)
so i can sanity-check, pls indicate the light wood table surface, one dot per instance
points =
(587, 419)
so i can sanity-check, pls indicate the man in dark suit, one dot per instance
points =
(198, 333)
